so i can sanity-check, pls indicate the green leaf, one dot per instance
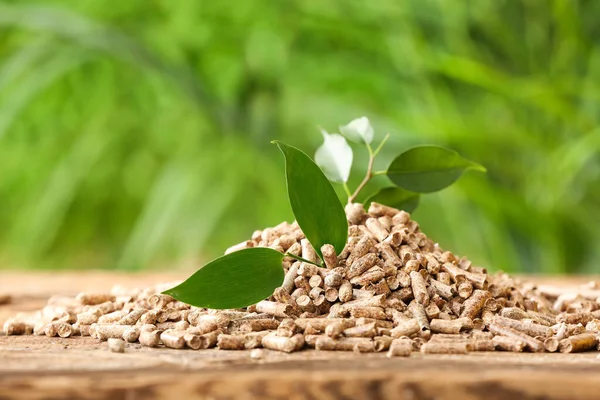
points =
(358, 130)
(334, 157)
(235, 280)
(315, 204)
(396, 197)
(426, 169)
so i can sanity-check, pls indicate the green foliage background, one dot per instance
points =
(135, 134)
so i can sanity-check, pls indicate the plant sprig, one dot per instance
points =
(421, 169)
(244, 277)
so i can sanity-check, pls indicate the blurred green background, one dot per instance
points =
(135, 134)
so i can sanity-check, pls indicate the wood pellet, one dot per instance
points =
(390, 290)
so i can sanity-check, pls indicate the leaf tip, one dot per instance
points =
(479, 167)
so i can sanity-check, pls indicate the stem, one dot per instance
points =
(367, 177)
(347, 189)
(370, 173)
(378, 149)
(301, 259)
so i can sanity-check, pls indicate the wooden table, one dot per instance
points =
(82, 368)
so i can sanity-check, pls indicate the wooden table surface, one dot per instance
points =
(82, 368)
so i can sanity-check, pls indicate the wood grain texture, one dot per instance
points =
(82, 368)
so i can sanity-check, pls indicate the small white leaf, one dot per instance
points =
(358, 130)
(334, 157)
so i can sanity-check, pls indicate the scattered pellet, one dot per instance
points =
(578, 343)
(13, 327)
(444, 347)
(281, 343)
(106, 331)
(481, 345)
(400, 348)
(116, 345)
(361, 345)
(505, 343)
(150, 338)
(61, 329)
(173, 339)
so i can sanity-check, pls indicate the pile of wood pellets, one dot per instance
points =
(391, 290)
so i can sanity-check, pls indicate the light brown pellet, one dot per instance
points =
(474, 304)
(150, 338)
(361, 265)
(368, 312)
(481, 345)
(405, 328)
(443, 290)
(382, 343)
(275, 309)
(209, 340)
(88, 317)
(345, 292)
(362, 345)
(376, 229)
(315, 281)
(287, 328)
(61, 329)
(12, 327)
(513, 313)
(132, 317)
(505, 343)
(465, 289)
(193, 341)
(105, 331)
(329, 256)
(551, 344)
(173, 339)
(308, 253)
(367, 330)
(321, 323)
(419, 288)
(444, 347)
(176, 325)
(334, 329)
(533, 344)
(380, 210)
(131, 334)
(418, 312)
(255, 325)
(369, 277)
(400, 348)
(578, 343)
(451, 326)
(289, 278)
(282, 343)
(528, 328)
(116, 345)
(331, 295)
(355, 213)
(111, 317)
(91, 299)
